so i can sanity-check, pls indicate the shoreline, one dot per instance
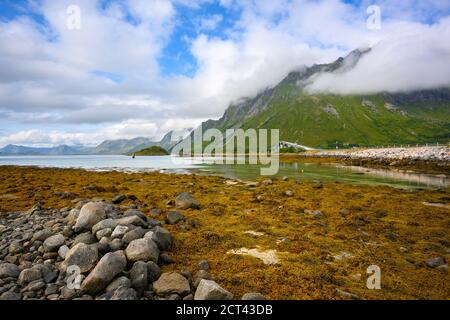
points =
(323, 234)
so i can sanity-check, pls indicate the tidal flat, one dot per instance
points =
(324, 235)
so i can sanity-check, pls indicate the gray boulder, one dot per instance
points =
(142, 250)
(91, 214)
(82, 255)
(171, 283)
(52, 244)
(161, 237)
(9, 270)
(104, 224)
(104, 272)
(210, 290)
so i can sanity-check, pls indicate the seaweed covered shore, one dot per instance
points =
(282, 238)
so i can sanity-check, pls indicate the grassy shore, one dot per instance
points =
(318, 253)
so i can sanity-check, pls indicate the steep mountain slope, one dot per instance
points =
(322, 120)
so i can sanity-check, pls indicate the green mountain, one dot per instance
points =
(152, 151)
(321, 120)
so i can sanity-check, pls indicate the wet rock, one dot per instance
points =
(174, 217)
(142, 250)
(9, 270)
(82, 255)
(104, 272)
(139, 276)
(210, 290)
(171, 283)
(52, 244)
(161, 237)
(117, 283)
(186, 201)
(91, 214)
(253, 296)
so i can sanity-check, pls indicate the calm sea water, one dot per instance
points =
(301, 171)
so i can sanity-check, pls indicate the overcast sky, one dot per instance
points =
(144, 67)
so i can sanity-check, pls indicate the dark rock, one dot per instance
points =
(174, 217)
(139, 276)
(9, 270)
(161, 237)
(153, 271)
(165, 259)
(119, 199)
(10, 296)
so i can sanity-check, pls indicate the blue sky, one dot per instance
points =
(142, 68)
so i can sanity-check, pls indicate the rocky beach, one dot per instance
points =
(432, 159)
(75, 234)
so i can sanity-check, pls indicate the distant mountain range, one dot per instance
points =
(108, 147)
(324, 120)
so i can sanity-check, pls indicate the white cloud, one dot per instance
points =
(54, 75)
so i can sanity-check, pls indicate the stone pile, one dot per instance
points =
(96, 251)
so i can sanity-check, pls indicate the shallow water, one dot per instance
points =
(301, 171)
